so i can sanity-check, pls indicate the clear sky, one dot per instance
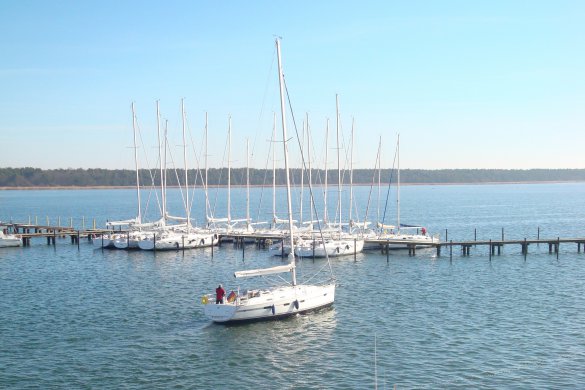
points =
(467, 84)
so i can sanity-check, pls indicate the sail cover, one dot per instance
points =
(263, 271)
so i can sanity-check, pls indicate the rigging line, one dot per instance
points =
(264, 179)
(149, 171)
(310, 187)
(198, 173)
(376, 168)
(220, 176)
(261, 114)
(389, 185)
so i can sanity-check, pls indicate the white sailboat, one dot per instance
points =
(401, 236)
(339, 244)
(185, 236)
(9, 240)
(275, 302)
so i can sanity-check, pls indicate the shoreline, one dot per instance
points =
(40, 188)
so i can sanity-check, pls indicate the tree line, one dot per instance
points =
(36, 177)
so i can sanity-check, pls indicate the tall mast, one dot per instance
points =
(310, 170)
(160, 159)
(166, 139)
(398, 186)
(247, 182)
(302, 179)
(274, 171)
(325, 189)
(206, 192)
(351, 172)
(338, 161)
(187, 204)
(288, 195)
(136, 164)
(379, 176)
(229, 173)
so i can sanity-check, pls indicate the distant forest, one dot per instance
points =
(35, 177)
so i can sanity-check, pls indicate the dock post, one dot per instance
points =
(557, 246)
(182, 242)
(387, 251)
(212, 247)
(243, 250)
(446, 235)
(550, 247)
(314, 248)
(439, 250)
(354, 249)
(36, 220)
(59, 221)
(491, 249)
(70, 222)
(83, 223)
(78, 240)
(154, 243)
(538, 234)
(94, 224)
(502, 234)
(525, 249)
(102, 242)
(578, 247)
(475, 234)
(450, 249)
(54, 237)
(48, 221)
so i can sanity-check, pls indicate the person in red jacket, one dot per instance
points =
(219, 294)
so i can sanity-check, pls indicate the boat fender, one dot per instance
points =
(347, 247)
(204, 300)
(273, 310)
(202, 241)
(177, 245)
(337, 249)
(296, 303)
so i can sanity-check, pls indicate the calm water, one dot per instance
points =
(88, 318)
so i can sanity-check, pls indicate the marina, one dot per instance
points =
(444, 318)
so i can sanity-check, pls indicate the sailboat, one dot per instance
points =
(9, 240)
(401, 236)
(184, 236)
(280, 301)
(339, 244)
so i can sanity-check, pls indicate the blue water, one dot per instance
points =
(86, 318)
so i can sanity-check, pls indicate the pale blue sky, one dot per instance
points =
(468, 84)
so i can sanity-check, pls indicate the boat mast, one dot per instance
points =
(398, 185)
(160, 159)
(229, 167)
(274, 171)
(379, 176)
(206, 192)
(310, 170)
(247, 183)
(325, 189)
(166, 139)
(136, 164)
(302, 179)
(288, 195)
(351, 173)
(187, 204)
(338, 162)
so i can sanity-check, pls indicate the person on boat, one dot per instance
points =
(424, 231)
(219, 294)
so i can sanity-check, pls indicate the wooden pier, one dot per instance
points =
(28, 231)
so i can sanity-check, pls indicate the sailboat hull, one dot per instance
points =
(179, 241)
(260, 305)
(7, 241)
(332, 248)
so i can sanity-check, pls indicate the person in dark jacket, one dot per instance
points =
(219, 294)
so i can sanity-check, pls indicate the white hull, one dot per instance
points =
(9, 240)
(131, 241)
(403, 241)
(278, 250)
(105, 241)
(271, 304)
(332, 248)
(175, 241)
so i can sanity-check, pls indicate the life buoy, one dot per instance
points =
(204, 300)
